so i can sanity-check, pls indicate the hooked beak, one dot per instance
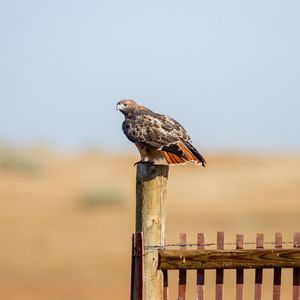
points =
(120, 107)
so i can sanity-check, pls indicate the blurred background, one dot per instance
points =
(228, 71)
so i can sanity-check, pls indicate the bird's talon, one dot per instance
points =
(144, 162)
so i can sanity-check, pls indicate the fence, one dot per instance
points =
(152, 258)
(199, 259)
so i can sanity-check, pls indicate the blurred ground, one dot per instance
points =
(66, 221)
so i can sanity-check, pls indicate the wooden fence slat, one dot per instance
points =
(220, 272)
(200, 273)
(239, 272)
(277, 271)
(166, 285)
(182, 273)
(139, 252)
(258, 272)
(296, 271)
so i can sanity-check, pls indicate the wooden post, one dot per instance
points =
(151, 188)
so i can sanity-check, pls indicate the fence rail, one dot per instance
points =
(228, 259)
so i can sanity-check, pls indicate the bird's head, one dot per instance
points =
(126, 106)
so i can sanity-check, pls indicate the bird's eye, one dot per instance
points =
(125, 104)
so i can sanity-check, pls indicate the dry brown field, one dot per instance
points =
(66, 220)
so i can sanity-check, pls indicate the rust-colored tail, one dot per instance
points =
(184, 152)
(197, 157)
(173, 159)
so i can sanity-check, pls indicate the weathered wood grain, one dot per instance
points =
(229, 259)
(151, 189)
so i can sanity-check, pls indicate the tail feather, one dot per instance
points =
(182, 152)
(168, 157)
(187, 152)
(172, 158)
(177, 159)
(195, 153)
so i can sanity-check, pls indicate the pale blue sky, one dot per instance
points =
(229, 71)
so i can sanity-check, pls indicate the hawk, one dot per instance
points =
(159, 138)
